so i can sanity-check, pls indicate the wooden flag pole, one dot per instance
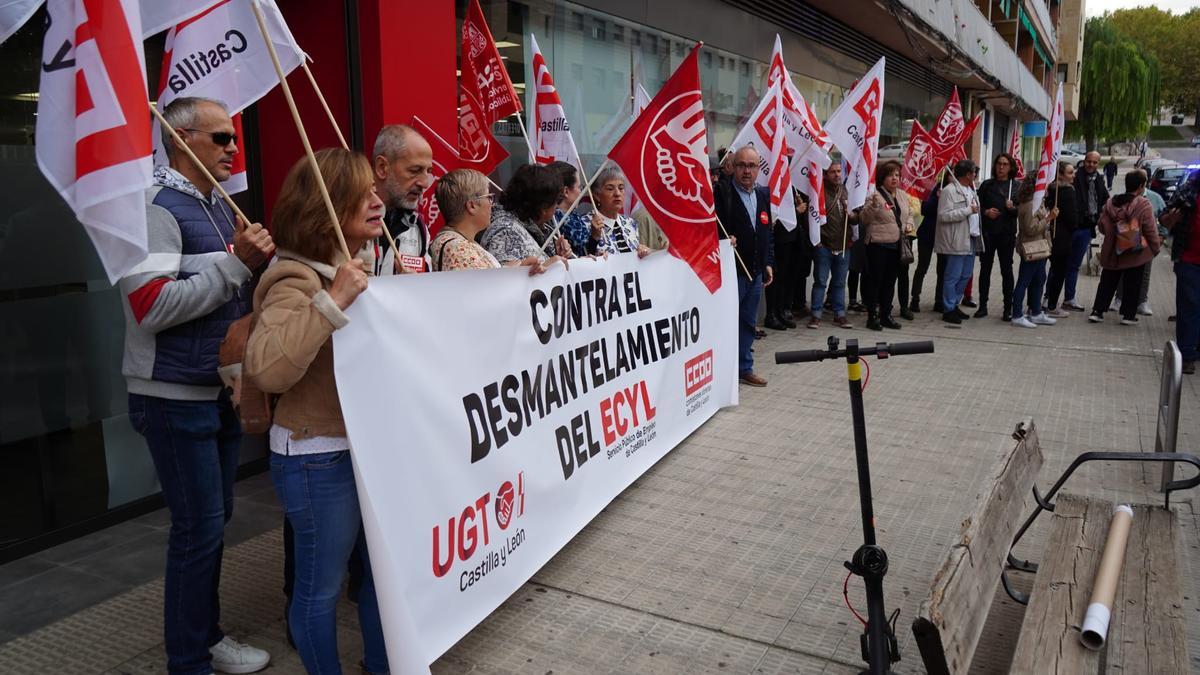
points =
(196, 160)
(559, 224)
(525, 133)
(312, 158)
(324, 104)
(342, 139)
(735, 251)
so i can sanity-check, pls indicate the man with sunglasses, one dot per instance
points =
(403, 165)
(179, 304)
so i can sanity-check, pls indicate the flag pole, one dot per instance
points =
(525, 133)
(451, 148)
(559, 224)
(735, 251)
(321, 97)
(312, 158)
(196, 160)
(342, 139)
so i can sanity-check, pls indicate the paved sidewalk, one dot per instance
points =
(726, 557)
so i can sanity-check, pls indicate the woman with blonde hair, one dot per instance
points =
(1034, 243)
(299, 303)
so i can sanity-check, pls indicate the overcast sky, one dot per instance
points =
(1098, 7)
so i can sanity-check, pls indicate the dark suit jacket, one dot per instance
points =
(1081, 196)
(754, 239)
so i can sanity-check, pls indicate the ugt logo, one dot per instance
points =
(463, 533)
(677, 154)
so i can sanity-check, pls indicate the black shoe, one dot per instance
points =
(873, 324)
(906, 314)
(759, 334)
(1006, 317)
(856, 307)
(800, 312)
(787, 321)
(888, 322)
(773, 323)
(951, 317)
(969, 303)
(961, 314)
(914, 306)
(981, 312)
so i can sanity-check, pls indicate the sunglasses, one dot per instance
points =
(221, 138)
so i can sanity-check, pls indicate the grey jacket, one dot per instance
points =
(953, 236)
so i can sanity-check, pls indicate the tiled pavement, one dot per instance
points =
(726, 557)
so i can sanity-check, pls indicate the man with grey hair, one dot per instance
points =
(179, 304)
(403, 165)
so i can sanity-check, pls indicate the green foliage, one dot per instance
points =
(1119, 85)
(1173, 39)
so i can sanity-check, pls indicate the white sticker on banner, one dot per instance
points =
(513, 410)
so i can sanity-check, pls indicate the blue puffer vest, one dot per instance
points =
(187, 353)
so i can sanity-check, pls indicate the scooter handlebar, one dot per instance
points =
(804, 356)
(902, 348)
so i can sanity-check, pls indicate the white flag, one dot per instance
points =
(14, 14)
(159, 15)
(220, 54)
(552, 139)
(93, 127)
(762, 133)
(1051, 150)
(854, 128)
(807, 139)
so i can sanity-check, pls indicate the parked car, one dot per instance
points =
(893, 151)
(1069, 155)
(1165, 179)
(1196, 141)
(1152, 165)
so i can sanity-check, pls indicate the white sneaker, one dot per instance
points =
(1058, 313)
(1071, 304)
(1129, 322)
(231, 656)
(1042, 320)
(1144, 309)
(1023, 322)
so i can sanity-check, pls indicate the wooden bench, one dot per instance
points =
(1147, 632)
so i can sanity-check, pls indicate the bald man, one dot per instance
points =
(1091, 195)
(745, 210)
(403, 165)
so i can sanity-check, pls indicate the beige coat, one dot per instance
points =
(1032, 226)
(290, 350)
(880, 224)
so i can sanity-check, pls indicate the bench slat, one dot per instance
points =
(1146, 633)
(949, 622)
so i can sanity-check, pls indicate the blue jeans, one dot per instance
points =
(320, 501)
(826, 263)
(957, 274)
(749, 291)
(1031, 281)
(194, 446)
(1080, 240)
(1187, 310)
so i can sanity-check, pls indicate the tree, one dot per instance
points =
(1119, 85)
(1171, 39)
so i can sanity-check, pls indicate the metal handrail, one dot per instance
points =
(1166, 430)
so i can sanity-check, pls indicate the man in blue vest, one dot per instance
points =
(745, 211)
(179, 304)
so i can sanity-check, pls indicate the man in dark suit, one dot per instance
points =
(745, 211)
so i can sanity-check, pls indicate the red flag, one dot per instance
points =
(477, 148)
(1014, 149)
(921, 163)
(489, 81)
(951, 131)
(665, 157)
(445, 160)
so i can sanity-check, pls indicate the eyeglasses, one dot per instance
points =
(745, 165)
(221, 138)
(489, 196)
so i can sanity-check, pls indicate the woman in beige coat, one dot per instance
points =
(1033, 245)
(883, 220)
(300, 301)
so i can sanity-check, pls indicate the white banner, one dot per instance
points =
(854, 128)
(761, 132)
(487, 438)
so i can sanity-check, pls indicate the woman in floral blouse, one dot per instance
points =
(466, 206)
(606, 230)
(524, 219)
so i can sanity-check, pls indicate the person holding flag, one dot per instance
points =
(403, 168)
(830, 258)
(179, 304)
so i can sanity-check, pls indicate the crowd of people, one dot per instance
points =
(208, 270)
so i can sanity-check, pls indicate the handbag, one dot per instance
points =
(1033, 251)
(254, 407)
(906, 252)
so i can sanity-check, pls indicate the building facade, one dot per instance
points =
(74, 464)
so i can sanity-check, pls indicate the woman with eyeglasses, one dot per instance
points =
(607, 230)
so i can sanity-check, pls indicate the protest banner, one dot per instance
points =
(484, 441)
